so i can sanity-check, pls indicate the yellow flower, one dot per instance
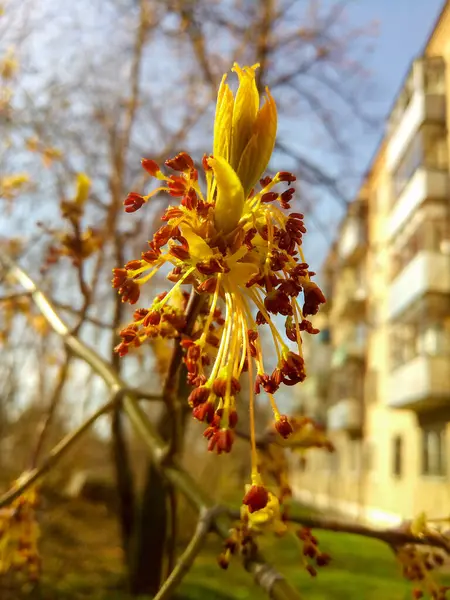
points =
(265, 519)
(19, 533)
(237, 244)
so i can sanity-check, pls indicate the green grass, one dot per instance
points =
(82, 560)
(360, 569)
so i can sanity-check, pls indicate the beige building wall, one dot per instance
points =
(360, 479)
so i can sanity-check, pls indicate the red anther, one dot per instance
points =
(208, 286)
(181, 162)
(198, 396)
(150, 166)
(153, 317)
(133, 202)
(264, 182)
(132, 265)
(256, 498)
(313, 298)
(283, 426)
(286, 176)
(120, 276)
(269, 197)
(205, 164)
(204, 412)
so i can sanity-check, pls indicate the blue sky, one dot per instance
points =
(403, 28)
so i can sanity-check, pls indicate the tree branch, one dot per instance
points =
(184, 563)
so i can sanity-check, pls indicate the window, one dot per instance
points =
(434, 450)
(397, 456)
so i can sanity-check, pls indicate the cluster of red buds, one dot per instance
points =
(418, 565)
(311, 551)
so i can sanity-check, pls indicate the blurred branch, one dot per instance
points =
(272, 437)
(76, 312)
(274, 585)
(14, 296)
(186, 560)
(31, 477)
(392, 537)
(44, 426)
(313, 173)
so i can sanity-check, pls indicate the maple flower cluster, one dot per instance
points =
(19, 533)
(240, 247)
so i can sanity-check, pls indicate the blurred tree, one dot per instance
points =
(92, 88)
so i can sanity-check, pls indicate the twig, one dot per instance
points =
(44, 426)
(392, 537)
(76, 312)
(389, 536)
(14, 296)
(271, 437)
(32, 476)
(184, 563)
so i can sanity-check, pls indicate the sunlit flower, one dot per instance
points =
(239, 246)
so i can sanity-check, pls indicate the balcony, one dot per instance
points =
(427, 273)
(350, 300)
(346, 415)
(425, 183)
(421, 384)
(421, 100)
(353, 240)
(353, 349)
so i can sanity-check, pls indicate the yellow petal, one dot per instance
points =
(246, 107)
(257, 153)
(198, 248)
(230, 195)
(222, 122)
(83, 185)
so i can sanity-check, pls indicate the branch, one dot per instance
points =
(32, 476)
(204, 526)
(392, 537)
(44, 426)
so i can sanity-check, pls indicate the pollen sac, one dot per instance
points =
(256, 498)
(133, 202)
(204, 412)
(313, 298)
(198, 396)
(283, 426)
(150, 166)
(181, 162)
(221, 441)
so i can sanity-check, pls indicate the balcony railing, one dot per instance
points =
(428, 272)
(422, 99)
(421, 384)
(350, 300)
(353, 240)
(346, 415)
(425, 183)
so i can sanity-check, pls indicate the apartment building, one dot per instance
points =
(382, 382)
